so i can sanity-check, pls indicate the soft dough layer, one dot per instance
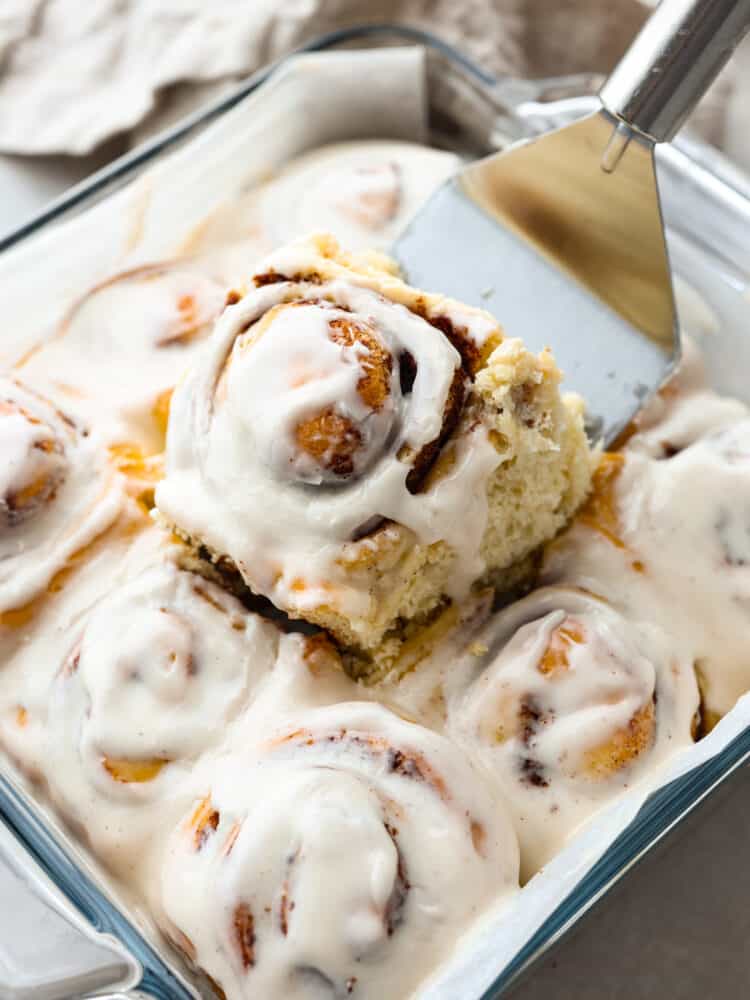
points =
(363, 453)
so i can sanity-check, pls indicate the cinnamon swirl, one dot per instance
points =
(159, 670)
(119, 350)
(57, 492)
(341, 857)
(362, 453)
(578, 704)
(363, 193)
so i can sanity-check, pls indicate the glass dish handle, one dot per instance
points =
(46, 949)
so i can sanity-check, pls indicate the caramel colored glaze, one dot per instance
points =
(478, 837)
(132, 771)
(30, 497)
(71, 661)
(160, 412)
(18, 617)
(269, 278)
(142, 472)
(555, 657)
(625, 746)
(203, 822)
(22, 716)
(234, 832)
(600, 510)
(131, 461)
(244, 934)
(319, 653)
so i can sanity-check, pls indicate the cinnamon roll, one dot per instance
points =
(159, 670)
(362, 192)
(341, 857)
(361, 453)
(576, 704)
(58, 492)
(667, 539)
(120, 349)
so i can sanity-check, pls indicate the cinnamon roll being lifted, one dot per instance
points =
(58, 492)
(362, 453)
(578, 704)
(340, 857)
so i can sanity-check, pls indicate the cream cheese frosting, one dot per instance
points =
(577, 704)
(293, 832)
(682, 516)
(232, 437)
(159, 670)
(120, 349)
(58, 491)
(341, 856)
(362, 192)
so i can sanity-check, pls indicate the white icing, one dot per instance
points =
(126, 342)
(58, 492)
(684, 518)
(230, 437)
(537, 727)
(349, 849)
(268, 399)
(364, 192)
(154, 676)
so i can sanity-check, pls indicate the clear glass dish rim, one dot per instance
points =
(659, 815)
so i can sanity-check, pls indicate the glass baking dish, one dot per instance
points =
(707, 207)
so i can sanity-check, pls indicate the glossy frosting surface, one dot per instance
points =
(295, 833)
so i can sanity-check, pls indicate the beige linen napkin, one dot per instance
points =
(73, 73)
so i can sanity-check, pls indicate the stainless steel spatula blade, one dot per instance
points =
(561, 238)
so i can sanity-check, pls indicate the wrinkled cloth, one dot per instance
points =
(74, 74)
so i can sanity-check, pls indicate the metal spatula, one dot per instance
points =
(561, 237)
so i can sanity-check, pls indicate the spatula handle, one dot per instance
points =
(672, 62)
